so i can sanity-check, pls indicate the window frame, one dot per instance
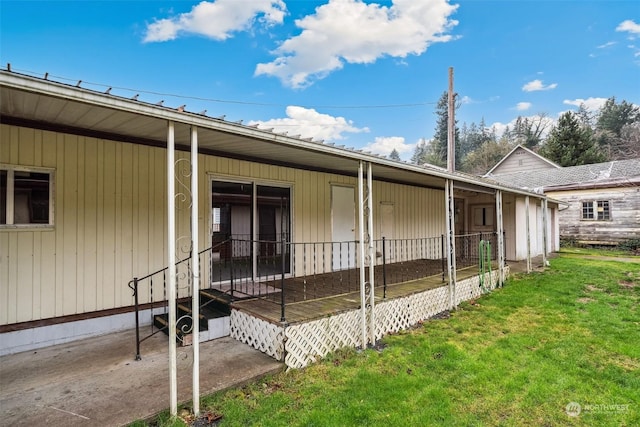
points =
(600, 210)
(9, 203)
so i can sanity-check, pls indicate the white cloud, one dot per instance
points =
(523, 106)
(606, 45)
(307, 122)
(545, 121)
(537, 85)
(384, 145)
(217, 19)
(629, 26)
(465, 100)
(355, 32)
(592, 104)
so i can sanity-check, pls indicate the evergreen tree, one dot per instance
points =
(527, 131)
(394, 155)
(616, 127)
(438, 147)
(571, 143)
(612, 117)
(420, 153)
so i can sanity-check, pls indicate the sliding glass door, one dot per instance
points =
(249, 223)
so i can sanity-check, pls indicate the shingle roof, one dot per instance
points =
(598, 173)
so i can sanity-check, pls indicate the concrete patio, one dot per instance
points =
(97, 382)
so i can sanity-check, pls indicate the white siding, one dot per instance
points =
(110, 219)
(521, 160)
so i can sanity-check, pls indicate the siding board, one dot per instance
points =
(110, 221)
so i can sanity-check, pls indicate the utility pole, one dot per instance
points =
(451, 142)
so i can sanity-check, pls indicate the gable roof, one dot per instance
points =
(614, 173)
(531, 152)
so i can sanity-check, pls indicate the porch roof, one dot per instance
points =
(44, 104)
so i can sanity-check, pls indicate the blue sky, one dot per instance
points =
(355, 73)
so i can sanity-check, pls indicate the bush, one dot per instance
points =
(630, 245)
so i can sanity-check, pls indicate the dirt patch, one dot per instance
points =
(585, 300)
(592, 288)
(628, 285)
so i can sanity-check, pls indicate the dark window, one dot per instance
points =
(596, 210)
(603, 210)
(25, 197)
(587, 210)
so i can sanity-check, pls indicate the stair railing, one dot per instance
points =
(135, 286)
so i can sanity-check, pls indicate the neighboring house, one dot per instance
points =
(84, 191)
(521, 159)
(602, 200)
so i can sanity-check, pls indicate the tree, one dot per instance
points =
(438, 146)
(613, 117)
(616, 127)
(528, 131)
(571, 143)
(473, 137)
(628, 145)
(420, 153)
(480, 161)
(394, 155)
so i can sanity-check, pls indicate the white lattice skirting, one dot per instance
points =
(305, 343)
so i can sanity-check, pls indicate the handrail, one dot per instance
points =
(285, 273)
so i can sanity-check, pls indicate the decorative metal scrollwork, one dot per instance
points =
(183, 171)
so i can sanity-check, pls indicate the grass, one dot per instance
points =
(515, 357)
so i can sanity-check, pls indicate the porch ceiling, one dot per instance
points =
(40, 103)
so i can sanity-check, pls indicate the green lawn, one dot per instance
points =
(515, 357)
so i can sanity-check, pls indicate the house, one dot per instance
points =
(102, 194)
(601, 201)
(521, 159)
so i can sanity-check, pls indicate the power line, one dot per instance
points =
(226, 101)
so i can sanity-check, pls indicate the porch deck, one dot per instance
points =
(298, 309)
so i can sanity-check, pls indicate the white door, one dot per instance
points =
(343, 227)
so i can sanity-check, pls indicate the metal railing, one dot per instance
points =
(285, 273)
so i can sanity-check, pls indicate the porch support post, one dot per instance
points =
(528, 233)
(545, 230)
(372, 254)
(361, 255)
(171, 259)
(195, 265)
(500, 237)
(451, 241)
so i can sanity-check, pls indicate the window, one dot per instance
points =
(25, 196)
(483, 216)
(596, 210)
(603, 210)
(587, 210)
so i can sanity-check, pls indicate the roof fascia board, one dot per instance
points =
(87, 96)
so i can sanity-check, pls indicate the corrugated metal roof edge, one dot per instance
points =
(87, 96)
